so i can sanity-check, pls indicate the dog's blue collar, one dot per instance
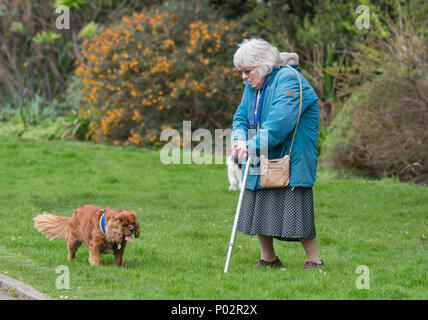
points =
(103, 222)
(116, 246)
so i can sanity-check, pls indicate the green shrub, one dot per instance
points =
(157, 68)
(382, 129)
(322, 136)
(31, 111)
(74, 126)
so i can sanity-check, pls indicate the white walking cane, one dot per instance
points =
(238, 210)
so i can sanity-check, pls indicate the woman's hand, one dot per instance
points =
(239, 150)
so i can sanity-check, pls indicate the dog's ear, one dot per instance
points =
(114, 230)
(136, 225)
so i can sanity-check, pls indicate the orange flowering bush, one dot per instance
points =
(154, 70)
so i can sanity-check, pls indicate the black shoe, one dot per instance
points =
(274, 264)
(311, 264)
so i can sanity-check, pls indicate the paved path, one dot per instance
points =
(23, 291)
(5, 296)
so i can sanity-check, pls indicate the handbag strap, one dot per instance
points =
(300, 107)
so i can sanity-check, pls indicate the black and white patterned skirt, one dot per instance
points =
(284, 213)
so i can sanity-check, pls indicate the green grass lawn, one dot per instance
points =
(186, 214)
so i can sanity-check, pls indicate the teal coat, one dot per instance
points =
(278, 119)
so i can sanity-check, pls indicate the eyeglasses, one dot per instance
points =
(246, 72)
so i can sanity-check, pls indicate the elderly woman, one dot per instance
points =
(283, 213)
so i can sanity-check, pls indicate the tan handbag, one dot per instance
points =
(275, 173)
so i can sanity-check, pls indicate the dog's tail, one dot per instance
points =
(52, 226)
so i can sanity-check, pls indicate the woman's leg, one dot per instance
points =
(310, 246)
(266, 248)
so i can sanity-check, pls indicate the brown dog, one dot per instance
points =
(102, 230)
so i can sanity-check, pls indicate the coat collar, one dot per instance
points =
(273, 73)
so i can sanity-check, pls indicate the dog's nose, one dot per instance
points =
(131, 229)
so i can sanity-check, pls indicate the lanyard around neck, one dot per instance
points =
(254, 119)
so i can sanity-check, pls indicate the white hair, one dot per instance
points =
(256, 52)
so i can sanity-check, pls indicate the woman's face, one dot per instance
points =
(251, 74)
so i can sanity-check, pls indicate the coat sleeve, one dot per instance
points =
(240, 119)
(282, 114)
